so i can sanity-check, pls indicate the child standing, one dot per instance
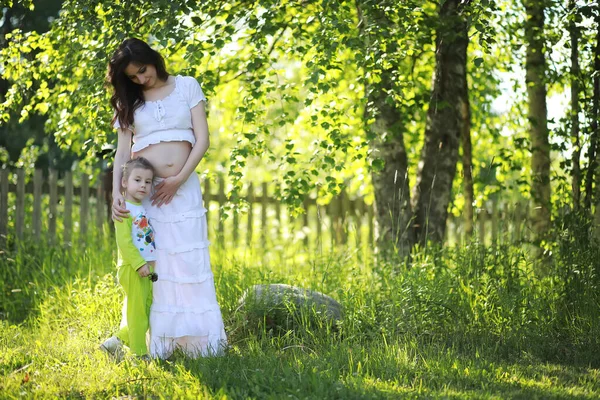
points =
(136, 257)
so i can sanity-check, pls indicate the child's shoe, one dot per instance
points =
(113, 345)
(146, 358)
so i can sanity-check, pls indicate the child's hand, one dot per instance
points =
(143, 271)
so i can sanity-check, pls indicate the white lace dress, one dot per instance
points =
(184, 313)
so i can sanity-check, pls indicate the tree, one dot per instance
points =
(592, 173)
(535, 66)
(467, 164)
(575, 71)
(445, 124)
(390, 179)
(594, 166)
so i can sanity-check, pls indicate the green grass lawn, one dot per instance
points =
(466, 323)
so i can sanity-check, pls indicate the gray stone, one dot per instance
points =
(280, 305)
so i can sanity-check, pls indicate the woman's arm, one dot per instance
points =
(200, 127)
(168, 187)
(122, 155)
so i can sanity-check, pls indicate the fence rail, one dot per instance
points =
(67, 209)
(58, 209)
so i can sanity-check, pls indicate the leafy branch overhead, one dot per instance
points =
(61, 73)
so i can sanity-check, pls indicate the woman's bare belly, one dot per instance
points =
(167, 158)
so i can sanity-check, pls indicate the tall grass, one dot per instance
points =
(467, 322)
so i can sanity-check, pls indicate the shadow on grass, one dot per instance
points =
(280, 374)
(336, 373)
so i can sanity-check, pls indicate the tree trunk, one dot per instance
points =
(444, 127)
(391, 184)
(535, 67)
(576, 171)
(592, 163)
(467, 162)
(594, 166)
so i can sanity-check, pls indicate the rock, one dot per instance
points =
(285, 306)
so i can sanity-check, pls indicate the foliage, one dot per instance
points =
(15, 135)
(286, 81)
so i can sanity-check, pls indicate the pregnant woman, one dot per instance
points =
(165, 118)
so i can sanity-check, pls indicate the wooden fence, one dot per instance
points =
(39, 205)
(72, 208)
(65, 209)
(497, 223)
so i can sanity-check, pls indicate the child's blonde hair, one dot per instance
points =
(134, 163)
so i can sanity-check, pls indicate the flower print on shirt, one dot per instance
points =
(144, 233)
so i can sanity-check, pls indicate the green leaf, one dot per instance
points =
(378, 164)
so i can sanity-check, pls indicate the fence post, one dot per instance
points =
(250, 199)
(84, 201)
(263, 214)
(278, 218)
(305, 225)
(481, 216)
(3, 205)
(100, 204)
(37, 204)
(331, 212)
(495, 240)
(344, 224)
(236, 226)
(52, 181)
(517, 223)
(359, 211)
(107, 184)
(207, 197)
(20, 221)
(68, 221)
(526, 236)
(221, 224)
(371, 217)
(320, 220)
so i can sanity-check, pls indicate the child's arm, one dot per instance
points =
(130, 254)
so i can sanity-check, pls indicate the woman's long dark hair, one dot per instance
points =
(128, 96)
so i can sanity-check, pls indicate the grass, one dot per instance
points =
(473, 322)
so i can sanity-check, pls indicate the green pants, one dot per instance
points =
(138, 296)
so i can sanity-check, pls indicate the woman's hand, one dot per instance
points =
(164, 191)
(118, 208)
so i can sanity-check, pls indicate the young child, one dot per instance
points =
(136, 257)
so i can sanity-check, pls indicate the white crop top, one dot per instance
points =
(168, 119)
